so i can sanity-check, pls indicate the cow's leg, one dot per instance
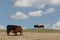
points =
(43, 27)
(21, 33)
(8, 32)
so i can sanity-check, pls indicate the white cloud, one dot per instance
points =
(55, 2)
(19, 15)
(51, 2)
(56, 25)
(50, 10)
(2, 27)
(36, 13)
(36, 3)
(41, 13)
(29, 3)
(46, 26)
(22, 3)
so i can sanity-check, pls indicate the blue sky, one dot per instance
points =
(27, 13)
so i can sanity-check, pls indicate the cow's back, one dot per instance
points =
(11, 27)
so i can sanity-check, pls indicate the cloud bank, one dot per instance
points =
(2, 27)
(38, 13)
(56, 25)
(36, 3)
(41, 13)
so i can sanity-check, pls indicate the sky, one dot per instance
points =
(28, 13)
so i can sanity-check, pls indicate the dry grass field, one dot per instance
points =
(31, 36)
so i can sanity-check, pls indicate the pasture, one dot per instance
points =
(33, 34)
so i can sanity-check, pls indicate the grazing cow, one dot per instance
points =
(38, 26)
(18, 29)
(14, 29)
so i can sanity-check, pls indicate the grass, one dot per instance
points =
(2, 30)
(38, 30)
(42, 30)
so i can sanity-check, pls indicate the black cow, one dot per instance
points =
(14, 29)
(38, 26)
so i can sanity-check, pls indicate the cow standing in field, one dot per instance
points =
(38, 26)
(15, 29)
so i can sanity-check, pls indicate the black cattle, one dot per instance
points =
(38, 26)
(14, 29)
